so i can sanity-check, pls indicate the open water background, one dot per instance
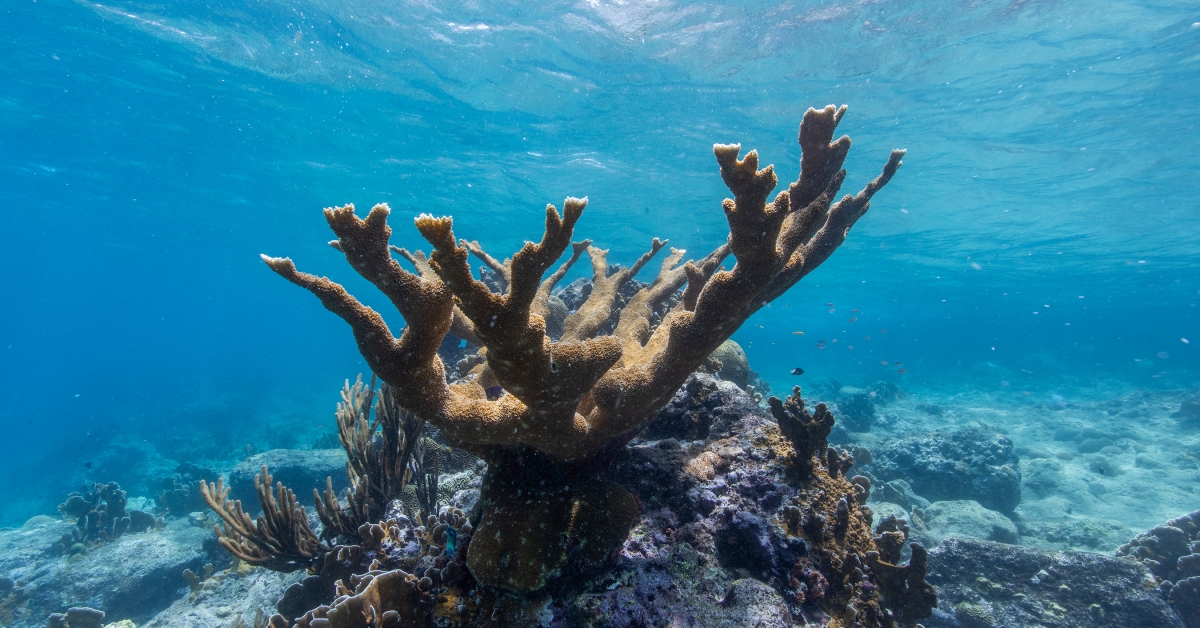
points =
(150, 151)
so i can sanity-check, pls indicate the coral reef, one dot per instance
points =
(77, 618)
(99, 513)
(974, 463)
(132, 576)
(570, 405)
(856, 407)
(1172, 554)
(181, 491)
(982, 583)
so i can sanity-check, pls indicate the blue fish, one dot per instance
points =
(451, 537)
(494, 392)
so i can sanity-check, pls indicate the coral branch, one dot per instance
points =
(500, 268)
(807, 431)
(280, 540)
(377, 475)
(460, 326)
(543, 294)
(596, 310)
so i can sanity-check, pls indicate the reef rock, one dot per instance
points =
(679, 588)
(131, 577)
(856, 409)
(704, 407)
(968, 464)
(1172, 554)
(962, 518)
(301, 470)
(981, 583)
(225, 597)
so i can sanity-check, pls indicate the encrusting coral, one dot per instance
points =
(569, 405)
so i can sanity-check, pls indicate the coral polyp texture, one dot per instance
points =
(546, 508)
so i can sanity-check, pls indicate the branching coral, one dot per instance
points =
(377, 474)
(280, 539)
(571, 403)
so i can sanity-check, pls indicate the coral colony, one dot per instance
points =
(549, 415)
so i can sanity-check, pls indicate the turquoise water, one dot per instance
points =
(1040, 239)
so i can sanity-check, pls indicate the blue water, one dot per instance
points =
(150, 151)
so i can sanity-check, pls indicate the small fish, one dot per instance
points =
(866, 338)
(855, 311)
(797, 371)
(828, 305)
(451, 540)
(88, 464)
(832, 310)
(902, 371)
(797, 333)
(897, 364)
(883, 362)
(494, 392)
(852, 319)
(883, 331)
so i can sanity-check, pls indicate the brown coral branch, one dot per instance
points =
(377, 475)
(837, 223)
(596, 310)
(460, 326)
(280, 539)
(424, 302)
(543, 294)
(547, 380)
(503, 269)
(807, 431)
(821, 158)
(633, 326)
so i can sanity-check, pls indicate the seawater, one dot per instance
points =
(1035, 256)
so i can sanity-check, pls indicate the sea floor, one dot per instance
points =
(1097, 466)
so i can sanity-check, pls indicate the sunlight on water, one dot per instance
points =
(1031, 268)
